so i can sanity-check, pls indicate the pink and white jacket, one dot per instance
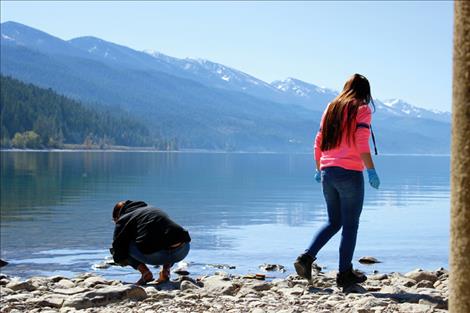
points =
(347, 156)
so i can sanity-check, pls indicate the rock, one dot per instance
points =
(272, 268)
(56, 278)
(415, 308)
(262, 286)
(3, 263)
(20, 285)
(419, 275)
(424, 284)
(368, 260)
(5, 291)
(255, 276)
(105, 296)
(187, 285)
(181, 272)
(222, 266)
(4, 282)
(70, 291)
(94, 280)
(162, 295)
(220, 285)
(378, 277)
(51, 301)
(65, 283)
(16, 297)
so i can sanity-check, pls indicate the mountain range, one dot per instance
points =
(204, 104)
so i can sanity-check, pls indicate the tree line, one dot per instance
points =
(36, 118)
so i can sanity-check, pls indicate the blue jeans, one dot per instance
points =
(344, 194)
(166, 256)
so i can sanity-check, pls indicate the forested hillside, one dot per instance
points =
(33, 117)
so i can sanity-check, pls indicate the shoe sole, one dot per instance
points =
(300, 270)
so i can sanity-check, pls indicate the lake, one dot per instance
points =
(240, 209)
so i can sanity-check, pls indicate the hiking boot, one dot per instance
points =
(303, 265)
(350, 277)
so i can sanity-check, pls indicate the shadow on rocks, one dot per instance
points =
(403, 297)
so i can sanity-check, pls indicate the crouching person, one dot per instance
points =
(146, 235)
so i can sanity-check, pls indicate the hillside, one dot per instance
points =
(34, 117)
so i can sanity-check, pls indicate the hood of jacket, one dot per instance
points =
(130, 206)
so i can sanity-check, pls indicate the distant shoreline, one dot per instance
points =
(152, 150)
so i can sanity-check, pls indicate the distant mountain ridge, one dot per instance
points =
(224, 108)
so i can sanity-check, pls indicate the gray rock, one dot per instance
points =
(20, 285)
(162, 295)
(222, 266)
(56, 278)
(378, 277)
(94, 280)
(187, 285)
(262, 286)
(105, 296)
(424, 284)
(368, 260)
(16, 297)
(52, 301)
(220, 285)
(70, 291)
(4, 281)
(5, 291)
(272, 267)
(415, 308)
(65, 283)
(419, 275)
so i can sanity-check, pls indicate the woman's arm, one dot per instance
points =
(367, 159)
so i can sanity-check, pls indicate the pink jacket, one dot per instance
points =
(346, 156)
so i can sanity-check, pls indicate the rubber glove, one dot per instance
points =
(374, 180)
(318, 176)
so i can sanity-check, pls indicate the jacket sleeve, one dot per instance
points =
(121, 241)
(364, 116)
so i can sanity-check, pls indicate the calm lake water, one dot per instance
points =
(240, 209)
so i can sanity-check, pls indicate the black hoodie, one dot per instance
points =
(149, 227)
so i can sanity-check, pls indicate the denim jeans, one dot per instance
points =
(166, 256)
(344, 194)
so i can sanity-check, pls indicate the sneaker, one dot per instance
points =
(303, 265)
(350, 277)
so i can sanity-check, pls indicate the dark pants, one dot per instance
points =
(161, 257)
(344, 194)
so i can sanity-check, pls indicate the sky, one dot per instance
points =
(403, 48)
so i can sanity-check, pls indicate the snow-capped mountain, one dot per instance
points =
(199, 100)
(308, 95)
(219, 75)
(400, 107)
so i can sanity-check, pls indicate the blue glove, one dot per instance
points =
(318, 176)
(374, 180)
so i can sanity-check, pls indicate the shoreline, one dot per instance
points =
(416, 291)
(201, 151)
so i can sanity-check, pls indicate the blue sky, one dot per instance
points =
(404, 48)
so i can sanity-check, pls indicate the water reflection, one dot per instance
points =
(240, 208)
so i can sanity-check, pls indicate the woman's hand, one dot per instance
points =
(374, 180)
(318, 176)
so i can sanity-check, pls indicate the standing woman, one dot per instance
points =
(341, 153)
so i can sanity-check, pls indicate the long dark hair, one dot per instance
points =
(356, 91)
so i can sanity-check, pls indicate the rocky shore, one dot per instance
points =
(417, 291)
